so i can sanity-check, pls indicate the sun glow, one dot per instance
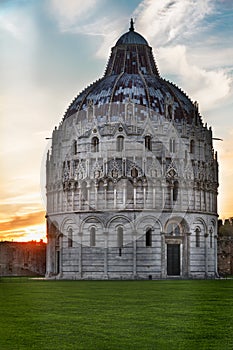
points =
(25, 234)
(34, 233)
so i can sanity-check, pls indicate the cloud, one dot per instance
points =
(69, 13)
(208, 87)
(18, 222)
(167, 20)
(94, 18)
(220, 57)
(169, 25)
(35, 232)
(18, 22)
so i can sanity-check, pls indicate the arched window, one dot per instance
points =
(92, 237)
(172, 145)
(198, 237)
(175, 191)
(148, 143)
(170, 111)
(101, 191)
(192, 146)
(110, 186)
(75, 147)
(168, 194)
(130, 191)
(211, 238)
(101, 187)
(95, 144)
(110, 194)
(120, 237)
(120, 143)
(70, 238)
(149, 237)
(84, 190)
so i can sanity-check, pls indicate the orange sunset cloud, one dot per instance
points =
(30, 226)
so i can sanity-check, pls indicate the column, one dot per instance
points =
(115, 194)
(163, 255)
(206, 255)
(153, 198)
(216, 255)
(124, 193)
(144, 195)
(163, 196)
(72, 197)
(105, 195)
(194, 196)
(48, 255)
(96, 193)
(135, 254)
(134, 196)
(61, 252)
(80, 256)
(171, 195)
(106, 255)
(79, 196)
(188, 254)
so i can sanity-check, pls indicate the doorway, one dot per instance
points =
(173, 259)
(57, 262)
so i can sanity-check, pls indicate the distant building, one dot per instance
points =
(225, 247)
(22, 259)
(132, 178)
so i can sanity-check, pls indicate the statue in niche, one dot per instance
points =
(153, 172)
(129, 111)
(114, 173)
(169, 106)
(80, 175)
(96, 174)
(134, 172)
(66, 174)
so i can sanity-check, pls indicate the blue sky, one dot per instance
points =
(52, 49)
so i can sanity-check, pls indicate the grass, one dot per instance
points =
(122, 315)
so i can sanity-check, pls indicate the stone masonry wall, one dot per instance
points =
(225, 255)
(22, 259)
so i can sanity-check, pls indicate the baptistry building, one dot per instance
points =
(132, 178)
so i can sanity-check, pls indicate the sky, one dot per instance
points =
(50, 50)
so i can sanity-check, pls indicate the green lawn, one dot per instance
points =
(38, 314)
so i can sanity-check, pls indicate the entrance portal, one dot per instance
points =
(173, 259)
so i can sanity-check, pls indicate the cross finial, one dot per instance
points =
(131, 28)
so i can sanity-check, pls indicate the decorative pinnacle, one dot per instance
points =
(131, 28)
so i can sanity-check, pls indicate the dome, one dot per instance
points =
(132, 74)
(131, 37)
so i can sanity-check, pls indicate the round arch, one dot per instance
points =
(92, 220)
(180, 222)
(118, 218)
(148, 221)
